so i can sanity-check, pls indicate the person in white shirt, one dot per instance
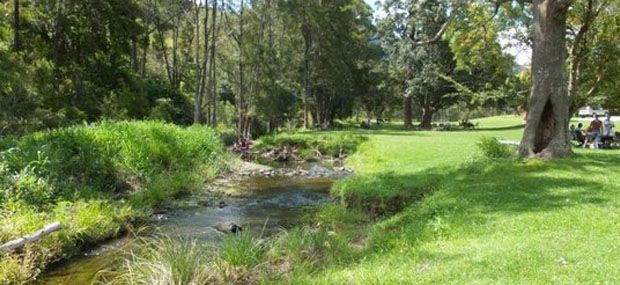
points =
(608, 124)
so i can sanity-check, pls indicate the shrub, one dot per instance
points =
(492, 148)
(227, 134)
(75, 175)
(108, 158)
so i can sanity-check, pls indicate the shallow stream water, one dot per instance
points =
(264, 206)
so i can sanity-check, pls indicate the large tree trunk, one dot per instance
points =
(408, 113)
(427, 118)
(546, 130)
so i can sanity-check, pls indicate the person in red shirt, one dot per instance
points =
(596, 125)
(594, 130)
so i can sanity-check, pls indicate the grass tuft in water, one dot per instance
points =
(164, 260)
(242, 250)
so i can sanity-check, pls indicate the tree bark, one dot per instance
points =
(198, 95)
(17, 43)
(427, 118)
(145, 43)
(241, 99)
(546, 130)
(164, 51)
(307, 35)
(408, 113)
(175, 57)
(213, 119)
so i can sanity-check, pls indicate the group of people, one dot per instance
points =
(243, 146)
(598, 134)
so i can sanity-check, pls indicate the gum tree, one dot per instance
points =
(545, 132)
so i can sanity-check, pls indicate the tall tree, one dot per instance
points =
(419, 66)
(546, 132)
(590, 26)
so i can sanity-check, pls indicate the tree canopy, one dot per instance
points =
(263, 65)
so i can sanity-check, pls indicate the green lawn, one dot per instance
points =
(479, 221)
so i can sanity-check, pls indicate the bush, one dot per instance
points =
(492, 148)
(76, 175)
(227, 134)
(110, 158)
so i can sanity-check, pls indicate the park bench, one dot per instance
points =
(509, 142)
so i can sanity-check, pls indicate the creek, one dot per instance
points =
(262, 205)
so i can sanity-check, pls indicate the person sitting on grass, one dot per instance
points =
(578, 134)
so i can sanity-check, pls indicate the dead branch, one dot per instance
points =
(15, 244)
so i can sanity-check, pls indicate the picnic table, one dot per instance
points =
(606, 141)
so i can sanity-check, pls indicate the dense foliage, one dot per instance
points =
(94, 180)
(255, 65)
(265, 65)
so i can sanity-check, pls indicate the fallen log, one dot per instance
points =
(17, 243)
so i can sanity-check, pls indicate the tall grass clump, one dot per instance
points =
(164, 260)
(492, 148)
(96, 180)
(109, 158)
(173, 260)
(242, 250)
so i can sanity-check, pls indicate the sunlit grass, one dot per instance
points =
(480, 221)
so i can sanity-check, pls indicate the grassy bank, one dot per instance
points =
(312, 145)
(96, 180)
(428, 207)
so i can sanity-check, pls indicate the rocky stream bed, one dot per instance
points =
(261, 199)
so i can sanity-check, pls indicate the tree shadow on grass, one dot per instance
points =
(516, 188)
(584, 162)
(480, 190)
(474, 194)
(380, 131)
